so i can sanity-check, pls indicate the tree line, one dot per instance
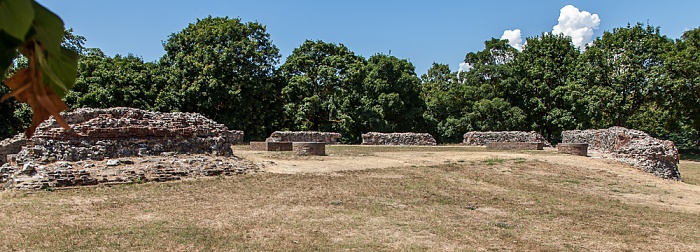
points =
(230, 71)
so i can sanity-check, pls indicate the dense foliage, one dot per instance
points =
(228, 70)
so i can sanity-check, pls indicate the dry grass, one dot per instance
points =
(690, 172)
(492, 204)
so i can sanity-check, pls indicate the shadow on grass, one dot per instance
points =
(690, 154)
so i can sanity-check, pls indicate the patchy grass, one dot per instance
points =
(459, 206)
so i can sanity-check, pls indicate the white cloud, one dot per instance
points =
(514, 37)
(464, 67)
(578, 25)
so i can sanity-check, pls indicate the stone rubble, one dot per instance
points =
(410, 138)
(304, 136)
(481, 138)
(49, 158)
(34, 176)
(632, 147)
(98, 134)
(11, 146)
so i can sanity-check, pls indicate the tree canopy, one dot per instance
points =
(230, 71)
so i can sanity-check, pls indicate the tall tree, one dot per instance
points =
(444, 101)
(392, 101)
(681, 92)
(119, 81)
(622, 71)
(225, 69)
(491, 67)
(542, 72)
(320, 78)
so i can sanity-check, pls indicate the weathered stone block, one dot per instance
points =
(271, 146)
(304, 136)
(578, 149)
(480, 138)
(515, 145)
(409, 138)
(309, 148)
(632, 147)
(121, 132)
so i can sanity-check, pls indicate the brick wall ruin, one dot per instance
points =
(304, 136)
(376, 138)
(480, 138)
(632, 147)
(71, 158)
(11, 146)
(122, 132)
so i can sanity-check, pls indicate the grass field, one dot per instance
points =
(490, 204)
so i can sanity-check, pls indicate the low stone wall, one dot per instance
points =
(167, 167)
(271, 146)
(578, 149)
(515, 145)
(480, 138)
(632, 147)
(309, 148)
(304, 136)
(122, 132)
(11, 146)
(410, 138)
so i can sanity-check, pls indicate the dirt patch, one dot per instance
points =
(669, 194)
(335, 160)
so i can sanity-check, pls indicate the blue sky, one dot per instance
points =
(421, 31)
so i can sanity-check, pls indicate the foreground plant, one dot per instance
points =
(32, 30)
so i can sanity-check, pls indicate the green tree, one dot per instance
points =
(444, 103)
(681, 92)
(119, 81)
(320, 79)
(224, 69)
(494, 115)
(491, 67)
(622, 72)
(391, 101)
(542, 71)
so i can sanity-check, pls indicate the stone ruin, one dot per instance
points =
(115, 134)
(481, 138)
(410, 138)
(11, 146)
(632, 147)
(304, 136)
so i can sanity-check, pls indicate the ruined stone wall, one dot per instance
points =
(11, 146)
(166, 167)
(479, 138)
(121, 132)
(376, 138)
(304, 136)
(632, 147)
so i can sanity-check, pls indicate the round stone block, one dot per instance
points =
(578, 149)
(309, 148)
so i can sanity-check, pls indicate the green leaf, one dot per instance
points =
(61, 72)
(8, 51)
(16, 17)
(49, 29)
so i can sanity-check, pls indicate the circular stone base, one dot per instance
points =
(309, 148)
(578, 149)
